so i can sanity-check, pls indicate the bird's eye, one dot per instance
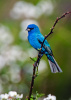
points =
(31, 28)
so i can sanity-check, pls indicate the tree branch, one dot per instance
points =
(34, 74)
(39, 55)
(58, 18)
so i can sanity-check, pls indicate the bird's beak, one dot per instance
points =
(27, 29)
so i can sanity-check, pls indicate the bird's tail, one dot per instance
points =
(53, 65)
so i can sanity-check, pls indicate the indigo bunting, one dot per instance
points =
(35, 38)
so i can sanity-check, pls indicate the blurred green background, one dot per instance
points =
(15, 51)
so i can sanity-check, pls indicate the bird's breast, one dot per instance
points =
(34, 41)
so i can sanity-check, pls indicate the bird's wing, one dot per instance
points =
(46, 45)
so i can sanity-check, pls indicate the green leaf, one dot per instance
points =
(38, 95)
(18, 99)
(33, 59)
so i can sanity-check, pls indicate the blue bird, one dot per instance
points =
(35, 38)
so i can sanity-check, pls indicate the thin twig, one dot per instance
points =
(34, 74)
(39, 55)
(58, 18)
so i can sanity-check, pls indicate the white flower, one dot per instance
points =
(19, 96)
(12, 94)
(2, 96)
(50, 97)
(21, 9)
(6, 37)
(46, 7)
(6, 96)
(9, 53)
(12, 54)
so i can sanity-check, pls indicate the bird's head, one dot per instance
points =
(32, 28)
